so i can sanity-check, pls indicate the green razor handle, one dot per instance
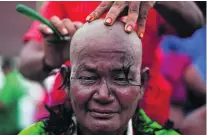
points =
(36, 16)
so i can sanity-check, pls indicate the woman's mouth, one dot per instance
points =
(102, 113)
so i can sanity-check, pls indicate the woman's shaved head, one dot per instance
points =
(96, 36)
(105, 80)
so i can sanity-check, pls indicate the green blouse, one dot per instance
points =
(37, 128)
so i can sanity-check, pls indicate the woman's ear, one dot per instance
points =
(145, 74)
(144, 81)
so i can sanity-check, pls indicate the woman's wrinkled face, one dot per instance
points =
(105, 88)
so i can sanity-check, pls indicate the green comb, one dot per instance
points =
(36, 16)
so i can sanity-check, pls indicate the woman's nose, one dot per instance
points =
(103, 94)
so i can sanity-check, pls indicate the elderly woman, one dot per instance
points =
(104, 83)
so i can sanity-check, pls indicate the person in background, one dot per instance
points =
(10, 94)
(45, 56)
(190, 76)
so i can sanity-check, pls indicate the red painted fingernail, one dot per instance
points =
(141, 34)
(89, 18)
(108, 20)
(129, 28)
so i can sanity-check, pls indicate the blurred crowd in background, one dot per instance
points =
(22, 100)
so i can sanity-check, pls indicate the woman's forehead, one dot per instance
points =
(105, 61)
(105, 48)
(106, 56)
(115, 55)
(101, 67)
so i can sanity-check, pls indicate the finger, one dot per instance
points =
(133, 13)
(45, 30)
(143, 12)
(69, 26)
(124, 12)
(77, 24)
(99, 11)
(115, 10)
(59, 25)
(47, 33)
(123, 19)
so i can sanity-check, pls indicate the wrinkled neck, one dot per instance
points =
(84, 131)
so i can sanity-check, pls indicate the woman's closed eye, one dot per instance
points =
(122, 79)
(88, 79)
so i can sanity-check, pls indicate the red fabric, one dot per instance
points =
(75, 11)
(57, 96)
(156, 101)
(157, 107)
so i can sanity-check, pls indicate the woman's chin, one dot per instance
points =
(103, 125)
